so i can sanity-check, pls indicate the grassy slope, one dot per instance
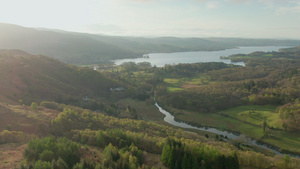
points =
(11, 155)
(22, 118)
(146, 111)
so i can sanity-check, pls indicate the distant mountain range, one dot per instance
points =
(82, 48)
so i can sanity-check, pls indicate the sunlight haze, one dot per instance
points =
(183, 18)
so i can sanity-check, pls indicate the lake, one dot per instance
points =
(160, 59)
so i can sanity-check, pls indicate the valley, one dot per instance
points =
(150, 84)
(108, 119)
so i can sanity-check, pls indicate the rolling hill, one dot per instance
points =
(70, 48)
(37, 78)
(66, 136)
(82, 48)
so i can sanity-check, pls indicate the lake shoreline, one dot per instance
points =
(162, 59)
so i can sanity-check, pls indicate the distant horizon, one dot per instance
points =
(102, 34)
(267, 19)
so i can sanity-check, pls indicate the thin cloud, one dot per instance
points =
(264, 2)
(288, 10)
(96, 28)
(212, 5)
(239, 1)
(124, 1)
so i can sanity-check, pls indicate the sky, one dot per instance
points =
(153, 18)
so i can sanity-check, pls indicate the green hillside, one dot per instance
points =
(36, 78)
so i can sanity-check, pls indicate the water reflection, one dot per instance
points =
(160, 59)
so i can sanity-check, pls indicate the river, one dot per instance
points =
(160, 59)
(171, 120)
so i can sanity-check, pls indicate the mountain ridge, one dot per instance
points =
(83, 48)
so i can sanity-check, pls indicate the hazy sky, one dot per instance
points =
(190, 18)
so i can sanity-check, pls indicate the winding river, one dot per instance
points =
(171, 120)
(160, 59)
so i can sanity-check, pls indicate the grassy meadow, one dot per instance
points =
(146, 111)
(255, 115)
(177, 84)
(237, 119)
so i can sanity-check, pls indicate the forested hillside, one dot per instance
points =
(54, 115)
(80, 138)
(29, 78)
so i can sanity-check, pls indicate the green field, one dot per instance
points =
(176, 84)
(238, 119)
(198, 81)
(255, 115)
(221, 122)
(244, 119)
(146, 111)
